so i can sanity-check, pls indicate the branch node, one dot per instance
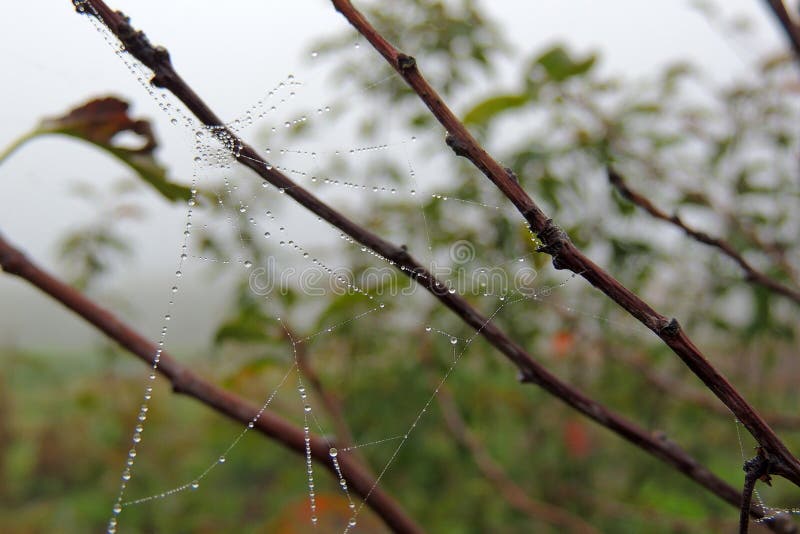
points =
(511, 174)
(669, 328)
(554, 239)
(405, 62)
(525, 377)
(457, 145)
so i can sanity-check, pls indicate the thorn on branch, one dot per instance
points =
(457, 145)
(526, 377)
(136, 43)
(405, 62)
(669, 328)
(554, 239)
(756, 468)
(511, 174)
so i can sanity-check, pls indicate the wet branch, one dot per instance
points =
(787, 23)
(564, 253)
(186, 382)
(164, 76)
(751, 273)
(516, 496)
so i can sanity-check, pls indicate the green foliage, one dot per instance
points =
(724, 161)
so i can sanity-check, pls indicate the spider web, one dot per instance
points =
(256, 217)
(215, 181)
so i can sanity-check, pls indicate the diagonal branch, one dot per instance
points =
(157, 59)
(566, 255)
(751, 273)
(494, 472)
(789, 26)
(186, 382)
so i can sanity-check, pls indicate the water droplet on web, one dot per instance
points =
(248, 264)
(221, 459)
(314, 53)
(195, 484)
(428, 328)
(453, 341)
(333, 452)
(267, 234)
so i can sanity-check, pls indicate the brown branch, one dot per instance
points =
(494, 472)
(755, 468)
(157, 59)
(186, 382)
(564, 253)
(677, 389)
(789, 27)
(344, 436)
(751, 273)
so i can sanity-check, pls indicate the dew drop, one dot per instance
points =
(333, 452)
(195, 484)
(453, 341)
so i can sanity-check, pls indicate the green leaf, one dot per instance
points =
(559, 65)
(250, 325)
(98, 122)
(485, 111)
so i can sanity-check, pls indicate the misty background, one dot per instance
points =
(232, 53)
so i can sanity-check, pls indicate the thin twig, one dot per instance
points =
(755, 468)
(564, 253)
(344, 436)
(494, 472)
(186, 382)
(157, 59)
(677, 389)
(751, 273)
(789, 26)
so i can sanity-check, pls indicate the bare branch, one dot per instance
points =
(678, 390)
(789, 26)
(157, 59)
(344, 436)
(755, 468)
(186, 382)
(751, 273)
(494, 472)
(564, 253)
